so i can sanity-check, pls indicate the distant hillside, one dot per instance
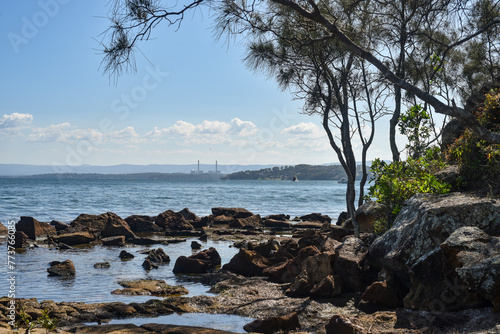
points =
(135, 176)
(302, 172)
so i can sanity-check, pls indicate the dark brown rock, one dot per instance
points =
(316, 217)
(189, 265)
(340, 324)
(188, 215)
(21, 239)
(65, 268)
(34, 229)
(271, 325)
(279, 217)
(195, 245)
(231, 212)
(174, 329)
(77, 238)
(210, 255)
(248, 222)
(328, 287)
(276, 223)
(267, 248)
(124, 255)
(3, 229)
(149, 287)
(350, 264)
(114, 241)
(170, 220)
(247, 263)
(338, 233)
(142, 224)
(102, 265)
(116, 227)
(60, 226)
(379, 293)
(148, 265)
(158, 256)
(85, 222)
(221, 220)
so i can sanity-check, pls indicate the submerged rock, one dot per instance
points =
(149, 287)
(124, 255)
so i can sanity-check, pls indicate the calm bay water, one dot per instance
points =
(64, 200)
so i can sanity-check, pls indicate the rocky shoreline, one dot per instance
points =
(436, 271)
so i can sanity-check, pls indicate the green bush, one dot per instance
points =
(394, 183)
(479, 162)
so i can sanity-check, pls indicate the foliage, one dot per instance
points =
(394, 183)
(47, 322)
(415, 124)
(44, 320)
(479, 162)
(303, 172)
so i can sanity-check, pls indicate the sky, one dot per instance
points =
(191, 97)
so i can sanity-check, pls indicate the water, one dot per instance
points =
(64, 200)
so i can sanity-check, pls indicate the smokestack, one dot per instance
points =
(198, 166)
(216, 166)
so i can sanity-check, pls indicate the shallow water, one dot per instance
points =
(93, 285)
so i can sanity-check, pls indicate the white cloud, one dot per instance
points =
(243, 128)
(15, 120)
(304, 129)
(52, 132)
(124, 136)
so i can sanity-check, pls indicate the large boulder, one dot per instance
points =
(425, 222)
(60, 226)
(158, 256)
(442, 250)
(76, 238)
(142, 224)
(170, 220)
(231, 212)
(113, 241)
(314, 270)
(34, 229)
(21, 240)
(316, 217)
(247, 263)
(189, 215)
(117, 227)
(64, 269)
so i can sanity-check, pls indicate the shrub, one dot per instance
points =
(479, 162)
(394, 183)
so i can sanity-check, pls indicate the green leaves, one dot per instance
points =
(415, 124)
(397, 182)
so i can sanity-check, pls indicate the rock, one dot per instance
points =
(248, 222)
(148, 265)
(76, 238)
(328, 287)
(188, 215)
(267, 248)
(350, 264)
(114, 241)
(222, 220)
(270, 223)
(143, 224)
(201, 262)
(113, 328)
(206, 221)
(316, 217)
(170, 220)
(340, 324)
(367, 214)
(451, 132)
(116, 227)
(338, 233)
(189, 265)
(59, 226)
(425, 222)
(316, 240)
(3, 229)
(231, 212)
(271, 325)
(62, 246)
(149, 287)
(343, 216)
(85, 222)
(34, 229)
(124, 255)
(102, 265)
(279, 217)
(158, 256)
(145, 241)
(64, 269)
(314, 270)
(380, 294)
(247, 263)
(21, 239)
(175, 329)
(195, 245)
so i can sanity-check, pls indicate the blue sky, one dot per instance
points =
(191, 98)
